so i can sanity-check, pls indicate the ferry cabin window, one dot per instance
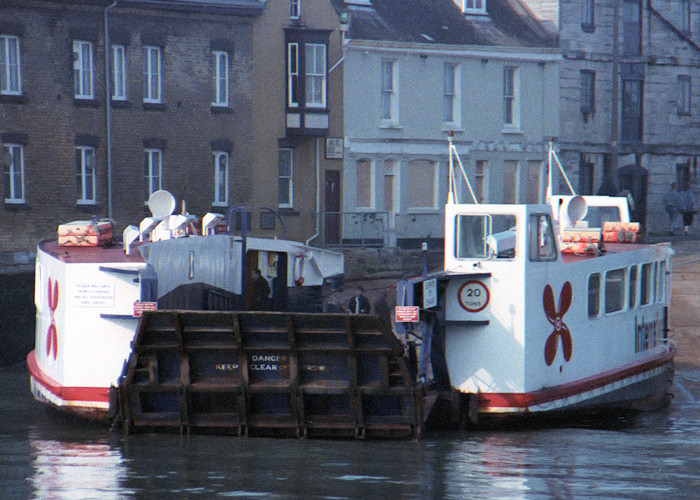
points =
(485, 236)
(645, 285)
(633, 287)
(661, 282)
(614, 290)
(542, 246)
(595, 216)
(593, 294)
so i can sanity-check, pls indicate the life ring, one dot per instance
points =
(298, 270)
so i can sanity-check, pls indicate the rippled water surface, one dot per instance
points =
(46, 455)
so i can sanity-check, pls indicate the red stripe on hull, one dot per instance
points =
(67, 394)
(490, 402)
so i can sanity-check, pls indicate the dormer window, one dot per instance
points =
(294, 9)
(472, 6)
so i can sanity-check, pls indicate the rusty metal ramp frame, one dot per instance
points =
(270, 374)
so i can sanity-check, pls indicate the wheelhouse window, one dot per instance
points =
(485, 236)
(646, 284)
(285, 167)
(593, 295)
(10, 69)
(661, 282)
(152, 67)
(85, 175)
(118, 72)
(614, 290)
(220, 78)
(83, 70)
(633, 287)
(13, 159)
(221, 178)
(153, 171)
(542, 245)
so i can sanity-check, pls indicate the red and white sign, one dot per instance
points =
(473, 296)
(406, 314)
(140, 307)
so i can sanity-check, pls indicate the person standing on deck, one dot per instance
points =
(689, 207)
(260, 293)
(674, 206)
(358, 303)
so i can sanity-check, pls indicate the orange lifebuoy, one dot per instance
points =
(298, 270)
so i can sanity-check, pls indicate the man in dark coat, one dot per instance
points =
(358, 303)
(260, 293)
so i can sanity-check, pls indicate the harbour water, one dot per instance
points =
(47, 455)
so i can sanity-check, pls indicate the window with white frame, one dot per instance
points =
(86, 182)
(295, 9)
(83, 69)
(220, 76)
(365, 184)
(315, 61)
(285, 167)
(153, 171)
(118, 72)
(13, 156)
(220, 178)
(293, 74)
(684, 92)
(10, 74)
(152, 67)
(511, 98)
(421, 179)
(450, 99)
(474, 6)
(389, 93)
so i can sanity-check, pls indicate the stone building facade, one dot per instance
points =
(179, 88)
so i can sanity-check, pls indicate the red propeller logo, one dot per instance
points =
(52, 335)
(555, 317)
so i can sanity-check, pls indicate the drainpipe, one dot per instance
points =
(108, 112)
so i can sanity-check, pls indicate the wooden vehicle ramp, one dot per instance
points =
(270, 374)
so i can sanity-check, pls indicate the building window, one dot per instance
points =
(153, 171)
(85, 175)
(421, 179)
(587, 92)
(685, 16)
(593, 295)
(315, 75)
(13, 156)
(631, 110)
(684, 92)
(83, 69)
(588, 15)
(389, 93)
(450, 99)
(293, 74)
(295, 9)
(220, 75)
(285, 167)
(480, 180)
(631, 28)
(474, 6)
(534, 181)
(511, 111)
(365, 184)
(10, 75)
(152, 68)
(118, 72)
(220, 178)
(511, 178)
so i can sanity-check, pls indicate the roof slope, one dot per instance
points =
(509, 23)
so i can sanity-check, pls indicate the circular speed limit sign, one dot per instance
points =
(473, 296)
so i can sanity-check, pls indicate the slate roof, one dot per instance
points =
(509, 23)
